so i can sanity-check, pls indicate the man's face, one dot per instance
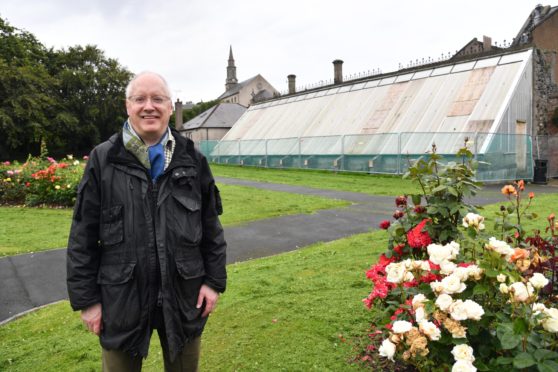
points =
(149, 107)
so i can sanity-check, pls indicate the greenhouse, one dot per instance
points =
(381, 124)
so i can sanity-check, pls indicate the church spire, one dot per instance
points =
(231, 72)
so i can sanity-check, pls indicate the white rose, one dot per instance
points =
(538, 308)
(458, 310)
(419, 314)
(387, 349)
(462, 273)
(463, 352)
(407, 263)
(520, 292)
(418, 300)
(501, 247)
(395, 272)
(538, 280)
(452, 284)
(430, 330)
(447, 267)
(408, 276)
(550, 323)
(463, 366)
(473, 220)
(401, 326)
(504, 288)
(474, 271)
(501, 278)
(444, 301)
(437, 286)
(474, 310)
(439, 253)
(454, 246)
(425, 266)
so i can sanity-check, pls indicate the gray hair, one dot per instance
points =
(131, 83)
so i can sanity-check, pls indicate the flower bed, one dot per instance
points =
(41, 181)
(447, 296)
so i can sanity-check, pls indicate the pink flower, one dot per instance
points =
(398, 214)
(51, 160)
(86, 157)
(10, 173)
(6, 163)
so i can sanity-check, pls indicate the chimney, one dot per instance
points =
(486, 43)
(178, 114)
(292, 83)
(337, 71)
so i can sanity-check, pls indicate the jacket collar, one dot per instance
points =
(184, 153)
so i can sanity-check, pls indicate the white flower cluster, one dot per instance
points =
(523, 292)
(399, 272)
(464, 358)
(549, 318)
(501, 247)
(441, 253)
(473, 220)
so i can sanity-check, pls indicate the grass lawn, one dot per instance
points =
(296, 311)
(25, 230)
(358, 182)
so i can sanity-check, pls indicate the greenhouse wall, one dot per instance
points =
(502, 157)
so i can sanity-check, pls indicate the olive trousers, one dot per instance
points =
(186, 361)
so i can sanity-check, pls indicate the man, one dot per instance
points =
(146, 248)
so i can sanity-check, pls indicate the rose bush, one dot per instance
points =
(447, 296)
(41, 181)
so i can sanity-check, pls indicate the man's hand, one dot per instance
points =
(91, 317)
(210, 297)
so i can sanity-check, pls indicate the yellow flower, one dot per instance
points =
(70, 157)
(8, 179)
(68, 186)
(57, 187)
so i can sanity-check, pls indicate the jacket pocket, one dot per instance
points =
(112, 227)
(189, 278)
(119, 297)
(185, 219)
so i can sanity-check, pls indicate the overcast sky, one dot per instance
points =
(187, 41)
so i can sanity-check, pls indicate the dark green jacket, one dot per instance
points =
(134, 243)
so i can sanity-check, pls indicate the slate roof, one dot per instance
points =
(222, 115)
(237, 88)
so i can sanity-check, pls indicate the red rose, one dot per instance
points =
(398, 214)
(418, 238)
(401, 201)
(385, 224)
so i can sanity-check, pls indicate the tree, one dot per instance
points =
(91, 87)
(26, 92)
(69, 99)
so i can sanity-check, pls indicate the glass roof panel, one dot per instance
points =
(463, 67)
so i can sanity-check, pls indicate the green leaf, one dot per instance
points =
(523, 360)
(480, 288)
(504, 361)
(439, 188)
(416, 199)
(520, 326)
(507, 337)
(548, 366)
(542, 354)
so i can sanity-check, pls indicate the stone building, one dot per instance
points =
(213, 123)
(247, 92)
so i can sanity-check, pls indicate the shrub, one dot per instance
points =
(41, 181)
(446, 296)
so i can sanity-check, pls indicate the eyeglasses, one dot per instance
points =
(142, 100)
